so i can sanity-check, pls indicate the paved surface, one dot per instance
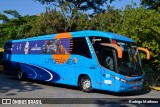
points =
(10, 87)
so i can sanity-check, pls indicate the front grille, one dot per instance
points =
(137, 81)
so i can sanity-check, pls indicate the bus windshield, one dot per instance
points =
(130, 63)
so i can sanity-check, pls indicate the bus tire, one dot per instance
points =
(86, 84)
(20, 75)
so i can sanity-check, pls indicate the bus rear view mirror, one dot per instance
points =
(146, 51)
(116, 47)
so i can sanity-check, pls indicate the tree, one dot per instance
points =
(12, 28)
(143, 26)
(72, 6)
(14, 13)
(49, 22)
(5, 19)
(152, 4)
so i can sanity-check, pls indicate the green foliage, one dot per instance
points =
(108, 21)
(143, 26)
(13, 28)
(14, 13)
(152, 4)
(80, 5)
(4, 18)
(26, 26)
(49, 22)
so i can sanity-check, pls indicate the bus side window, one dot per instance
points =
(80, 47)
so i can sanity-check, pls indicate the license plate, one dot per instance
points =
(135, 87)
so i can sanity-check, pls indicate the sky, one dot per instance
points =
(30, 7)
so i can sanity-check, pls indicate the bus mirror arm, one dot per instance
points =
(146, 51)
(116, 47)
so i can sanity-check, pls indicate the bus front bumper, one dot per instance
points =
(124, 87)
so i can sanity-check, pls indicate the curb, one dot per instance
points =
(151, 87)
(155, 88)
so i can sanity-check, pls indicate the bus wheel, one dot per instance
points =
(20, 75)
(86, 84)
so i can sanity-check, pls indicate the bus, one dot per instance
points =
(88, 59)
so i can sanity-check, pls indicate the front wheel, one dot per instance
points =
(86, 84)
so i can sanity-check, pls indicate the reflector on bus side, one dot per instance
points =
(118, 49)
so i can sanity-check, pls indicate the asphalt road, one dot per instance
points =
(10, 87)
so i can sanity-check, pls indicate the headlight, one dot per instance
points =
(122, 80)
(117, 78)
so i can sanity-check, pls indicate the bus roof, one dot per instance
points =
(80, 34)
(108, 35)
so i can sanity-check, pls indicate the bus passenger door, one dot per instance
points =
(98, 77)
(107, 62)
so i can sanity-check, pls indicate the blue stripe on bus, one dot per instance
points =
(31, 70)
(40, 73)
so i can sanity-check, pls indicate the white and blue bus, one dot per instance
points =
(88, 59)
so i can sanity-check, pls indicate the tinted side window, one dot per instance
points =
(96, 43)
(105, 55)
(8, 48)
(80, 47)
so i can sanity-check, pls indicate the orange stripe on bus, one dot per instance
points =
(63, 35)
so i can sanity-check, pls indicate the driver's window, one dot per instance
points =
(107, 59)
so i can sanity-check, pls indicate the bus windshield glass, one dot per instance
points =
(130, 63)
